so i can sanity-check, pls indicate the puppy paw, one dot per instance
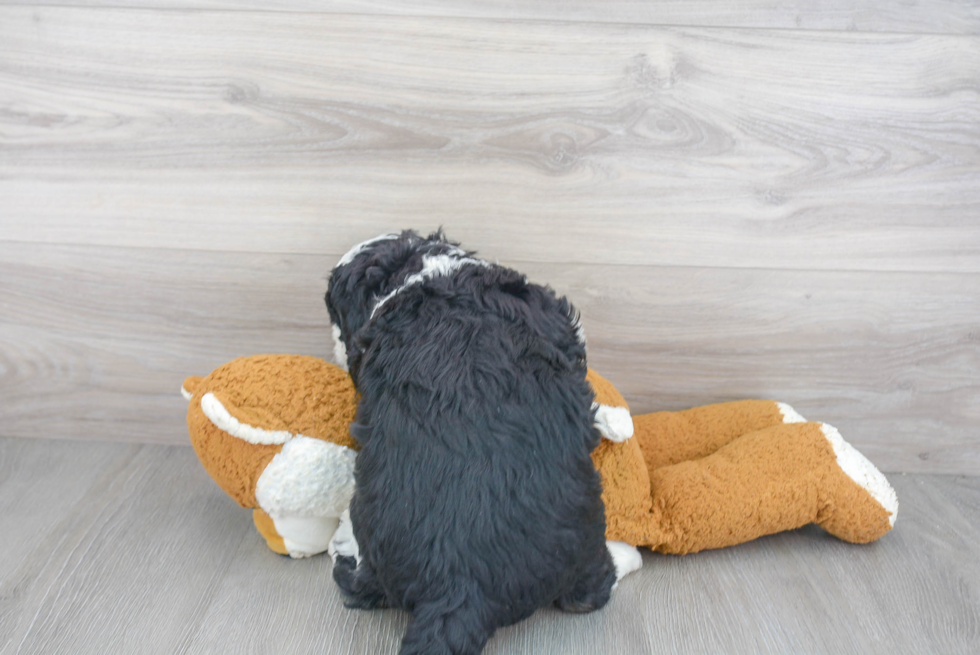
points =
(343, 543)
(358, 585)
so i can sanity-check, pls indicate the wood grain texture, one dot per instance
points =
(30, 510)
(97, 340)
(133, 565)
(279, 132)
(937, 16)
(152, 558)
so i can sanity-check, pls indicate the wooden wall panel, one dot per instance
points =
(936, 16)
(737, 212)
(547, 141)
(96, 340)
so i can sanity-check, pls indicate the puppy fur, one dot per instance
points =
(476, 501)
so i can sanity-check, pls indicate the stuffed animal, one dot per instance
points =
(724, 474)
(272, 430)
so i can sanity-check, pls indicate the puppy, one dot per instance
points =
(476, 501)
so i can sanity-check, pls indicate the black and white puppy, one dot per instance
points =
(476, 501)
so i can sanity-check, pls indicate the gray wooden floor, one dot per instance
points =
(124, 548)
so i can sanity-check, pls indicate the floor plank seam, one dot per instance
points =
(497, 19)
(328, 255)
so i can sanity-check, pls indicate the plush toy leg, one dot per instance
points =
(267, 528)
(296, 536)
(670, 437)
(779, 478)
(852, 518)
(305, 536)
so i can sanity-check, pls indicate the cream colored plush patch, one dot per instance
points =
(789, 414)
(615, 423)
(861, 470)
(218, 415)
(309, 478)
(305, 536)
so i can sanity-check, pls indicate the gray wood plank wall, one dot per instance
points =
(751, 200)
(916, 16)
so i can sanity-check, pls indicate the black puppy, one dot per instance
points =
(476, 501)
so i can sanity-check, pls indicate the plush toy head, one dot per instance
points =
(272, 430)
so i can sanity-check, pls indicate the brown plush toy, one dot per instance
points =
(272, 430)
(724, 474)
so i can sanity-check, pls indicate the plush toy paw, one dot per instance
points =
(614, 423)
(789, 414)
(297, 536)
(267, 528)
(863, 506)
(305, 536)
(861, 522)
(612, 414)
(304, 489)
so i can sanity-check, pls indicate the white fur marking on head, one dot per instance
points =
(309, 477)
(218, 415)
(579, 330)
(305, 536)
(432, 266)
(339, 349)
(615, 423)
(343, 543)
(356, 250)
(861, 470)
(626, 558)
(790, 415)
(185, 393)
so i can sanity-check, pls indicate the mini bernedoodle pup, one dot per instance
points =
(476, 501)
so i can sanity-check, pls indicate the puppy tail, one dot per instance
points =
(447, 627)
